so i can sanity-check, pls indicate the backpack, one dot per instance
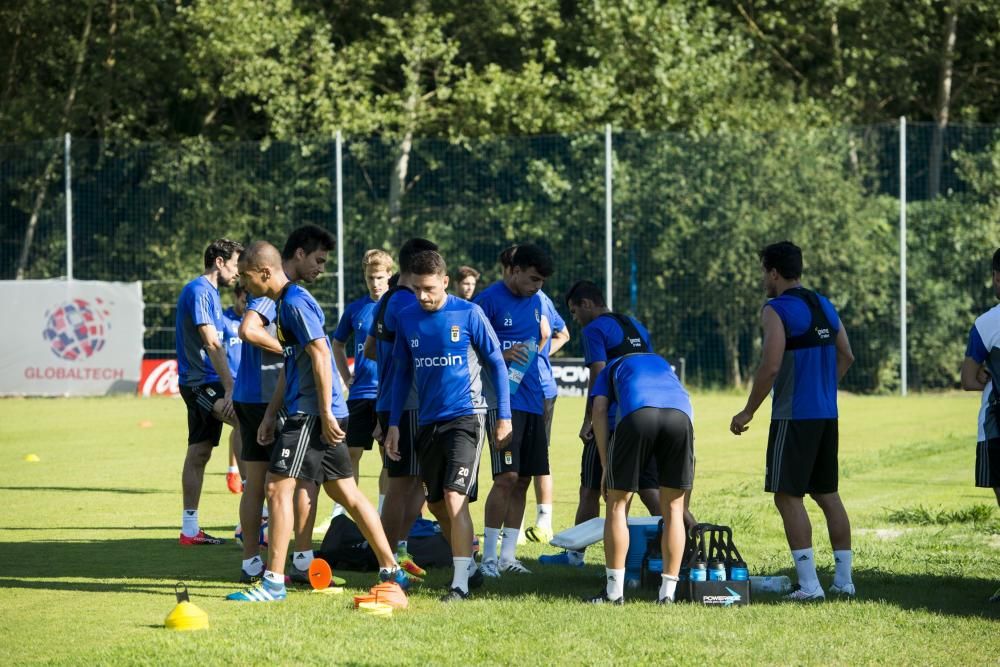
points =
(345, 548)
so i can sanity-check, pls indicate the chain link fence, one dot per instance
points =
(688, 215)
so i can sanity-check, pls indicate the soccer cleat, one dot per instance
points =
(297, 576)
(562, 558)
(513, 567)
(259, 592)
(489, 569)
(201, 539)
(476, 579)
(602, 598)
(847, 590)
(247, 578)
(234, 482)
(538, 534)
(406, 562)
(799, 594)
(399, 576)
(454, 595)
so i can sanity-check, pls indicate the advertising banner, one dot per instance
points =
(70, 338)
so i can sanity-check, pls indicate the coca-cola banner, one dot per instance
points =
(70, 338)
(159, 378)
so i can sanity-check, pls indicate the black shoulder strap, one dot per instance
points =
(819, 333)
(284, 337)
(631, 338)
(381, 333)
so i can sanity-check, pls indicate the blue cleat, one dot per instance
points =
(563, 558)
(398, 575)
(260, 592)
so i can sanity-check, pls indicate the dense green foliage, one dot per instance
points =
(479, 124)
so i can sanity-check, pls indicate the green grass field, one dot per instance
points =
(90, 555)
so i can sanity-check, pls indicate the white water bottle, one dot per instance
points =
(779, 584)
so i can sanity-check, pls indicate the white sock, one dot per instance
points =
(233, 469)
(616, 583)
(509, 545)
(338, 509)
(842, 562)
(302, 560)
(252, 565)
(805, 567)
(543, 516)
(276, 579)
(490, 537)
(460, 579)
(381, 501)
(575, 557)
(189, 523)
(668, 586)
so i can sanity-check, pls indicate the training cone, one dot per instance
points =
(320, 574)
(392, 594)
(31, 458)
(375, 608)
(186, 615)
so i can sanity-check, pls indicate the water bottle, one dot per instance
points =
(698, 572)
(716, 571)
(780, 584)
(517, 369)
(738, 571)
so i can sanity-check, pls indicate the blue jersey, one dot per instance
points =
(806, 386)
(605, 339)
(357, 321)
(384, 326)
(984, 347)
(258, 368)
(231, 339)
(516, 319)
(300, 321)
(643, 380)
(198, 305)
(556, 323)
(445, 353)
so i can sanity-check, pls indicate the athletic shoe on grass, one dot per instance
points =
(406, 562)
(799, 594)
(513, 567)
(602, 598)
(455, 595)
(489, 569)
(234, 482)
(538, 534)
(259, 592)
(201, 539)
(562, 558)
(399, 576)
(847, 590)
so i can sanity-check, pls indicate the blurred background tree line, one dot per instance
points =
(736, 123)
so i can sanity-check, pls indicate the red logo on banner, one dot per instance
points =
(159, 378)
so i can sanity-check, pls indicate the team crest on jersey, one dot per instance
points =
(455, 333)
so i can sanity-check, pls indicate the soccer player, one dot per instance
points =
(363, 382)
(231, 318)
(805, 354)
(404, 490)
(653, 423)
(516, 313)
(443, 345)
(981, 364)
(310, 445)
(205, 382)
(606, 336)
(260, 366)
(465, 286)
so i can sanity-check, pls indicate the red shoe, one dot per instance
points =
(234, 482)
(202, 538)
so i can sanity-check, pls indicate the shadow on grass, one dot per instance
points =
(85, 489)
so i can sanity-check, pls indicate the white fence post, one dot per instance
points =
(340, 226)
(67, 142)
(902, 256)
(608, 236)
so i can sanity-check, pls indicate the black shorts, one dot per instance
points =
(250, 415)
(300, 452)
(802, 457)
(591, 470)
(202, 423)
(988, 464)
(527, 454)
(408, 464)
(449, 455)
(337, 460)
(664, 435)
(361, 423)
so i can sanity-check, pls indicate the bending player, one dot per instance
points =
(653, 422)
(805, 354)
(310, 446)
(443, 346)
(205, 383)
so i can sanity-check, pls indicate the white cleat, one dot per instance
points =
(513, 567)
(847, 590)
(802, 595)
(489, 569)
